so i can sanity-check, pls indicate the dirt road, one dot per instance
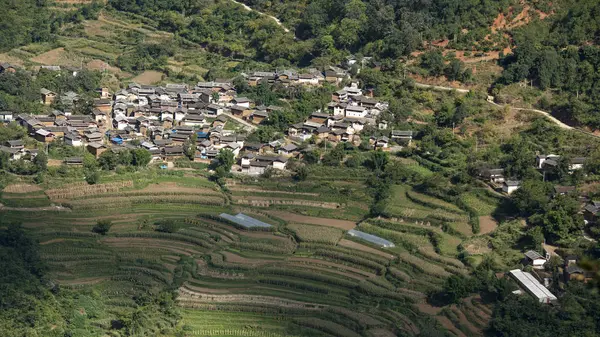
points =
(248, 8)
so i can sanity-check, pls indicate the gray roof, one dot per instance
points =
(245, 221)
(289, 147)
(371, 238)
(533, 255)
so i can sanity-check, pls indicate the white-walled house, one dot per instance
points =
(509, 186)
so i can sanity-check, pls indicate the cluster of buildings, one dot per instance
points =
(537, 280)
(547, 164)
(348, 113)
(15, 149)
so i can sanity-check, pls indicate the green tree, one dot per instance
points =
(532, 197)
(225, 159)
(378, 160)
(41, 161)
(166, 226)
(108, 160)
(141, 157)
(301, 173)
(102, 227)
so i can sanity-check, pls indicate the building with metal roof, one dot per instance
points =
(371, 238)
(245, 221)
(533, 286)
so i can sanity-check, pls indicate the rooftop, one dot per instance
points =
(245, 221)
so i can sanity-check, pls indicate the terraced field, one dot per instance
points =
(304, 277)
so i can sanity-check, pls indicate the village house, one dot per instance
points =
(6, 116)
(241, 101)
(259, 116)
(535, 259)
(48, 96)
(173, 152)
(73, 161)
(43, 136)
(339, 96)
(288, 150)
(402, 136)
(96, 149)
(318, 117)
(13, 153)
(7, 67)
(494, 175)
(591, 211)
(73, 139)
(15, 144)
(509, 186)
(382, 142)
(563, 190)
(240, 111)
(355, 111)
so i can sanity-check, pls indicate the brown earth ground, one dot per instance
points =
(21, 188)
(487, 224)
(148, 77)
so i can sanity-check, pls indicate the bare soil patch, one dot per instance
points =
(148, 77)
(56, 56)
(428, 308)
(21, 188)
(292, 217)
(102, 66)
(364, 248)
(487, 224)
(477, 246)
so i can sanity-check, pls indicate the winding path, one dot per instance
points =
(248, 8)
(490, 101)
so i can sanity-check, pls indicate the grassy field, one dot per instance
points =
(305, 278)
(97, 44)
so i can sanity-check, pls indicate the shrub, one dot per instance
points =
(166, 226)
(102, 227)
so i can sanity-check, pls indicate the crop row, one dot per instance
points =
(311, 233)
(264, 247)
(80, 190)
(212, 227)
(344, 250)
(326, 326)
(165, 236)
(407, 240)
(354, 260)
(431, 202)
(423, 266)
(309, 275)
(120, 202)
(299, 285)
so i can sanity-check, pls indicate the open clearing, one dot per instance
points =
(148, 77)
(292, 217)
(21, 188)
(487, 224)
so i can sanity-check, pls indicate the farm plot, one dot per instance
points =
(236, 282)
(480, 202)
(312, 233)
(293, 217)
